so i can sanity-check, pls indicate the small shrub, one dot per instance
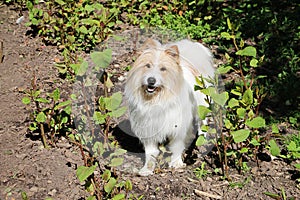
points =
(50, 115)
(240, 130)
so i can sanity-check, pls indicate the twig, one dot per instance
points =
(201, 193)
(1, 51)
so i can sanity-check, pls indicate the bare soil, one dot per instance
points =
(26, 166)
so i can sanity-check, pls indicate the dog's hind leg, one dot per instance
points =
(151, 151)
(177, 146)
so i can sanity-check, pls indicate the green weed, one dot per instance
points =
(93, 131)
(72, 25)
(201, 172)
(240, 105)
(50, 115)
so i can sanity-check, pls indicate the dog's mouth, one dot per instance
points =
(150, 89)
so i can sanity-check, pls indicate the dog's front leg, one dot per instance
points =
(151, 152)
(177, 147)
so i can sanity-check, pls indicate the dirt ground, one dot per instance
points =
(26, 166)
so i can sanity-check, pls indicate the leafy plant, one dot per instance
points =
(50, 114)
(72, 25)
(201, 172)
(282, 195)
(290, 149)
(242, 123)
(240, 184)
(93, 127)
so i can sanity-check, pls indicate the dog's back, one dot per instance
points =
(196, 60)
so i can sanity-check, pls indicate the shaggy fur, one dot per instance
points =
(161, 97)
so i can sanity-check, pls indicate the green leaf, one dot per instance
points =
(224, 70)
(244, 150)
(248, 51)
(119, 196)
(275, 128)
(272, 195)
(83, 30)
(240, 135)
(108, 187)
(251, 114)
(60, 2)
(42, 100)
(114, 101)
(33, 126)
(253, 62)
(89, 8)
(61, 68)
(229, 24)
(203, 111)
(128, 185)
(292, 146)
(37, 93)
(106, 175)
(257, 122)
(102, 59)
(241, 112)
(233, 103)
(118, 112)
(24, 195)
(274, 149)
(116, 162)
(75, 67)
(99, 117)
(201, 140)
(219, 99)
(248, 97)
(228, 124)
(254, 142)
(118, 152)
(226, 35)
(205, 91)
(200, 81)
(236, 92)
(41, 117)
(68, 109)
(98, 148)
(91, 198)
(26, 100)
(84, 172)
(82, 68)
(64, 120)
(56, 94)
(297, 165)
(62, 104)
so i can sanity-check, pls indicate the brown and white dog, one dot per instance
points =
(161, 97)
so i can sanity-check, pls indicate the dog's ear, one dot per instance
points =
(150, 44)
(173, 51)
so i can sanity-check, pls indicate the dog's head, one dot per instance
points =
(156, 72)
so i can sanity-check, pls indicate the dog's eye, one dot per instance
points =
(148, 65)
(163, 69)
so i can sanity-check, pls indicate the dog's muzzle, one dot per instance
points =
(150, 87)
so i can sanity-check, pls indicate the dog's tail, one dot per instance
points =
(196, 57)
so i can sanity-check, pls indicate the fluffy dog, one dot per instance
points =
(161, 97)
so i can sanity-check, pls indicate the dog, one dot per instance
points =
(161, 99)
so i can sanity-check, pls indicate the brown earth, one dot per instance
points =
(26, 166)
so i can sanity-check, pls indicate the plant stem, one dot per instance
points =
(43, 136)
(82, 152)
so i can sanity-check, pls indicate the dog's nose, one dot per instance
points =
(151, 81)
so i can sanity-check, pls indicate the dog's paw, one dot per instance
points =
(145, 172)
(177, 164)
